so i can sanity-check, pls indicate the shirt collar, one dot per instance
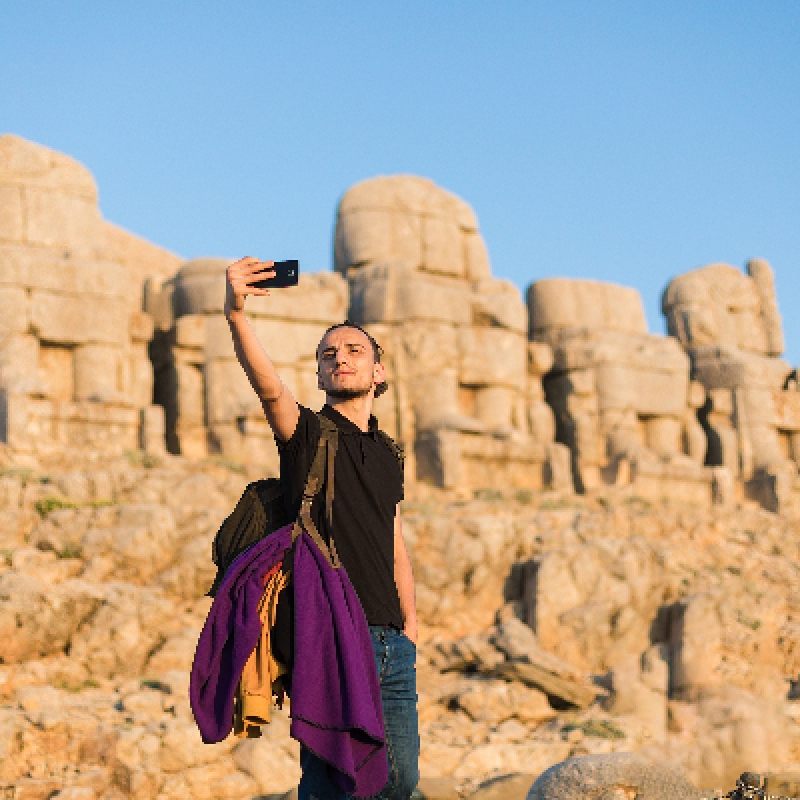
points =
(345, 425)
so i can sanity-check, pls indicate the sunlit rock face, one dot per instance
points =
(74, 368)
(728, 321)
(653, 612)
(466, 392)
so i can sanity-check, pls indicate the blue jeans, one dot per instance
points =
(395, 659)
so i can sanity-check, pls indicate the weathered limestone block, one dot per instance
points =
(138, 383)
(725, 368)
(695, 637)
(541, 420)
(663, 435)
(78, 319)
(288, 342)
(56, 372)
(141, 327)
(639, 686)
(718, 304)
(190, 394)
(540, 358)
(365, 235)
(38, 619)
(73, 283)
(19, 364)
(27, 164)
(390, 292)
(434, 399)
(228, 393)
(466, 394)
(563, 303)
(494, 407)
(55, 219)
(695, 442)
(730, 325)
(723, 488)
(497, 303)
(12, 215)
(492, 356)
(618, 393)
(764, 279)
(210, 406)
(431, 347)
(199, 287)
(559, 468)
(320, 298)
(476, 257)
(646, 373)
(60, 271)
(190, 332)
(153, 430)
(98, 373)
(442, 247)
(411, 221)
(786, 409)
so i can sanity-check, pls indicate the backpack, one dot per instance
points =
(261, 510)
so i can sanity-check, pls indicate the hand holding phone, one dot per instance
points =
(287, 273)
(249, 276)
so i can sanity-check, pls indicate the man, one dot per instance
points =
(368, 486)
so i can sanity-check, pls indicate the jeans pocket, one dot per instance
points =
(408, 644)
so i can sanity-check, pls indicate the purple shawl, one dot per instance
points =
(336, 702)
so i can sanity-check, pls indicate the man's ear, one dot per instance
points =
(379, 373)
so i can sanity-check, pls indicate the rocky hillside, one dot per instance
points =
(553, 626)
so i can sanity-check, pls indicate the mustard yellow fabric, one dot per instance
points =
(261, 676)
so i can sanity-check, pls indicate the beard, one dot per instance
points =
(348, 393)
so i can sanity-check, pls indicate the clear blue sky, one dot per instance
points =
(620, 141)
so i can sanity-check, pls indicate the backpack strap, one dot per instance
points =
(321, 468)
(330, 434)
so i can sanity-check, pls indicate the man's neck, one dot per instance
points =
(356, 409)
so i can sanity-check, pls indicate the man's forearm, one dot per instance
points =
(404, 580)
(255, 362)
(280, 408)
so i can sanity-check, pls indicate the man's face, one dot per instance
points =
(347, 365)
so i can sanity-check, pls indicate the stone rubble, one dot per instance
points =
(681, 624)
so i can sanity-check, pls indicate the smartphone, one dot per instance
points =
(287, 274)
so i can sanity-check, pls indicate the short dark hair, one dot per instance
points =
(377, 350)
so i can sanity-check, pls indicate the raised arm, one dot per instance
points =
(280, 408)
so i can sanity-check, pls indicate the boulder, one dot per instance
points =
(615, 776)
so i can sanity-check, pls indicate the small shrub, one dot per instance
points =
(523, 496)
(139, 458)
(638, 503)
(74, 688)
(599, 728)
(561, 504)
(70, 550)
(749, 622)
(488, 495)
(48, 504)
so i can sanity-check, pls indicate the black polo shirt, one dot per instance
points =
(368, 485)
